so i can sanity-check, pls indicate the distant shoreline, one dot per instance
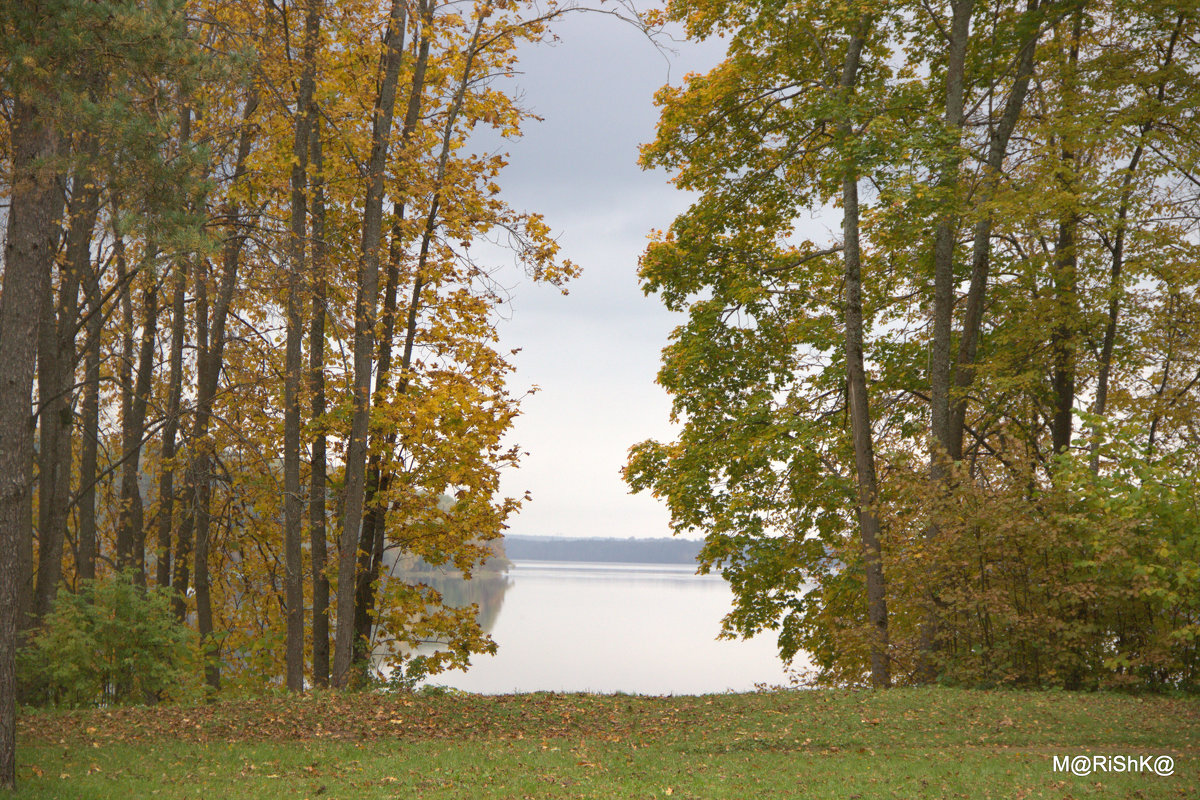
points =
(595, 550)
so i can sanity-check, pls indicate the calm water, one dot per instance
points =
(647, 629)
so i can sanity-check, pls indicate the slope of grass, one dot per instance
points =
(821, 744)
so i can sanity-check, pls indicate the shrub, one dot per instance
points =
(111, 642)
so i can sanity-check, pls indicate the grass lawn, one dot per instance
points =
(907, 743)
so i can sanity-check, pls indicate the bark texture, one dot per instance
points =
(317, 511)
(28, 260)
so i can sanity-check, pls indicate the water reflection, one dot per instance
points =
(634, 628)
(485, 589)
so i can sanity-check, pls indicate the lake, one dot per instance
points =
(586, 627)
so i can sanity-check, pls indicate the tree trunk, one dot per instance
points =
(181, 562)
(124, 544)
(50, 428)
(56, 373)
(968, 343)
(1063, 339)
(364, 342)
(373, 557)
(166, 484)
(210, 346)
(944, 247)
(292, 502)
(204, 617)
(943, 300)
(28, 258)
(166, 479)
(85, 562)
(131, 532)
(373, 538)
(316, 366)
(56, 414)
(856, 380)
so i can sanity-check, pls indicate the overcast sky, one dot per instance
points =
(594, 353)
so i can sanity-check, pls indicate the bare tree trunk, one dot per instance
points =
(50, 536)
(131, 532)
(944, 246)
(56, 387)
(316, 365)
(181, 562)
(166, 484)
(56, 372)
(364, 342)
(183, 547)
(1063, 337)
(28, 259)
(166, 479)
(124, 544)
(204, 616)
(1066, 259)
(1114, 307)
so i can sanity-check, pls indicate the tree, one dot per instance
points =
(364, 338)
(27, 263)
(318, 479)
(992, 265)
(754, 371)
(856, 379)
(229, 188)
(50, 84)
(293, 502)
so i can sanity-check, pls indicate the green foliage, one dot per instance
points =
(407, 675)
(104, 74)
(1087, 581)
(111, 642)
(1044, 558)
(1092, 581)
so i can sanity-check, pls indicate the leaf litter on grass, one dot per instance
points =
(781, 721)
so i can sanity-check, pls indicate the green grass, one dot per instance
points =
(926, 743)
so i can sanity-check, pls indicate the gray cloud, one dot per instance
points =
(594, 353)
